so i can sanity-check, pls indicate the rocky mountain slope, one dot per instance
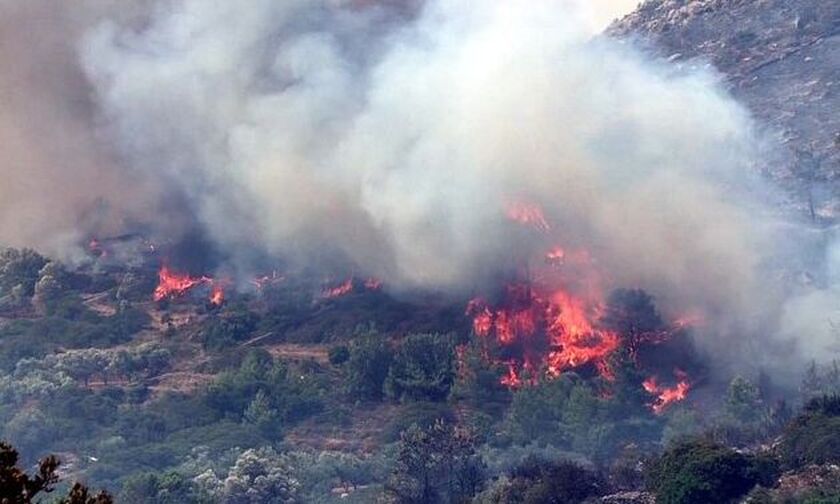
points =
(782, 59)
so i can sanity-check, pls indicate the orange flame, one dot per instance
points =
(348, 286)
(217, 294)
(172, 284)
(667, 395)
(572, 339)
(339, 290)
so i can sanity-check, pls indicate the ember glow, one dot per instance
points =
(667, 395)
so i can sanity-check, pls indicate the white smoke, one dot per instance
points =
(393, 136)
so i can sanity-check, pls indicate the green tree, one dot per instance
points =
(151, 488)
(437, 464)
(538, 413)
(478, 380)
(537, 481)
(813, 437)
(20, 269)
(423, 368)
(743, 401)
(368, 365)
(631, 313)
(338, 355)
(701, 471)
(17, 487)
(261, 414)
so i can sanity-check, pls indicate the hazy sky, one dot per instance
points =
(604, 11)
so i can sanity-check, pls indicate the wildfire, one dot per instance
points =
(556, 320)
(217, 294)
(530, 320)
(172, 284)
(527, 214)
(349, 285)
(342, 289)
(667, 395)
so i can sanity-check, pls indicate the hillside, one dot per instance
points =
(780, 58)
(381, 259)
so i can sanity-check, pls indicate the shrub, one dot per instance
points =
(536, 481)
(814, 436)
(435, 464)
(226, 330)
(423, 368)
(700, 471)
(420, 414)
(338, 355)
(368, 365)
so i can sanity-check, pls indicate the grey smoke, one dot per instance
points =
(393, 135)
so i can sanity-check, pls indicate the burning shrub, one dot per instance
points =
(423, 368)
(700, 472)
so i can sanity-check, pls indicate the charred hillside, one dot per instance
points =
(780, 58)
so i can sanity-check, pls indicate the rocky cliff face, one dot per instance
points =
(782, 59)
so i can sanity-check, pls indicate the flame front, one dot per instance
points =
(172, 284)
(553, 322)
(530, 320)
(349, 285)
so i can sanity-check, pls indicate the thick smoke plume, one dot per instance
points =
(392, 137)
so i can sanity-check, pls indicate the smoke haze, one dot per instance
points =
(389, 136)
